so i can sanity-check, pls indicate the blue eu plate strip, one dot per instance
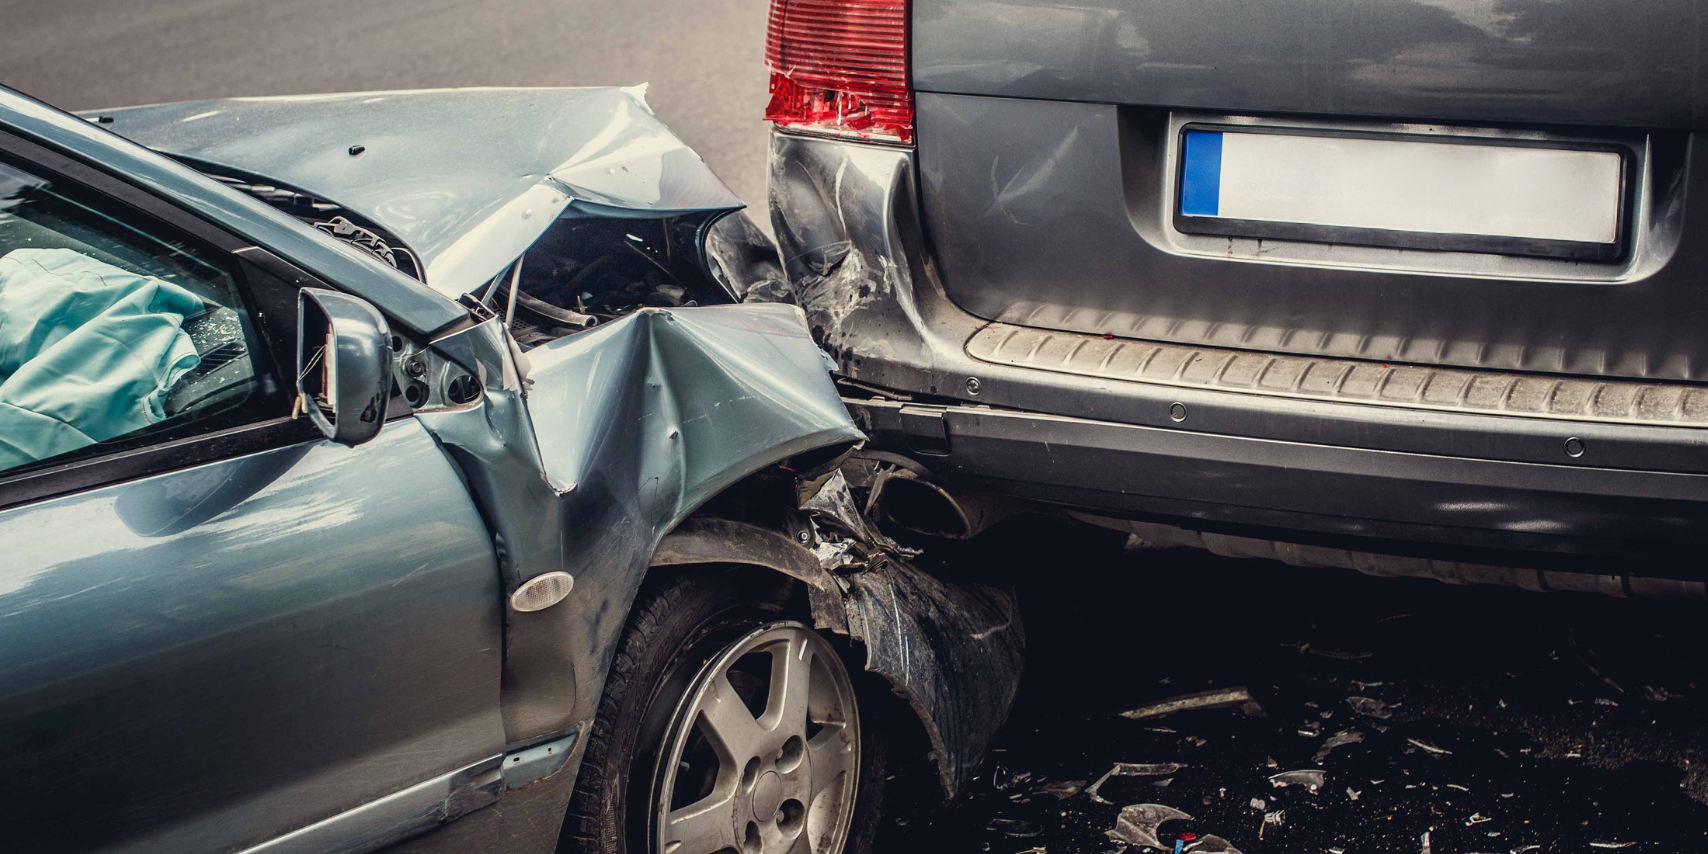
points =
(1201, 180)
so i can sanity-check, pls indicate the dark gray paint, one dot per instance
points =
(846, 218)
(207, 659)
(1235, 483)
(1063, 220)
(1579, 62)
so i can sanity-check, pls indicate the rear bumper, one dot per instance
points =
(1490, 511)
(1292, 466)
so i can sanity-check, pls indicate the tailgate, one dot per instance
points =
(1498, 186)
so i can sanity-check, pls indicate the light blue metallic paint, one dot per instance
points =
(290, 641)
(410, 305)
(625, 431)
(219, 655)
(467, 178)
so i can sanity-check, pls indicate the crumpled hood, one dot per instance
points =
(466, 178)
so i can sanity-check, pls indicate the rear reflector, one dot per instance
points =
(840, 66)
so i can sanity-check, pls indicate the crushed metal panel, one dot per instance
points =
(953, 651)
(625, 429)
(467, 178)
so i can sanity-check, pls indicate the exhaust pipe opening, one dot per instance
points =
(911, 501)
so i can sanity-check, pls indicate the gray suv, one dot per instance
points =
(1413, 288)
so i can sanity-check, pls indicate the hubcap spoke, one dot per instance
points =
(791, 689)
(735, 733)
(701, 828)
(765, 778)
(829, 754)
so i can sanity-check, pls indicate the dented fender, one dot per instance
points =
(584, 458)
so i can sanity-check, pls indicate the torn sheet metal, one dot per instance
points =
(1131, 769)
(467, 178)
(625, 429)
(1139, 825)
(954, 651)
(1218, 699)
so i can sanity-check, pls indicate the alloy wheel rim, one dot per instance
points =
(762, 755)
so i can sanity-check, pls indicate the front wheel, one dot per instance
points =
(727, 727)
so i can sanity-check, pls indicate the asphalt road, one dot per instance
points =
(1382, 715)
(703, 59)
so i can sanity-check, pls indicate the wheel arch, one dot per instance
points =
(971, 631)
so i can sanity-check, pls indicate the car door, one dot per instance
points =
(218, 631)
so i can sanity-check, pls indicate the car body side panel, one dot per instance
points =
(214, 657)
(1581, 62)
(625, 430)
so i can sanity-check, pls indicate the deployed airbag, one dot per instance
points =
(87, 351)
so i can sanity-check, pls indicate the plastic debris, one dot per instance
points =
(1061, 790)
(1658, 695)
(1137, 824)
(1014, 828)
(1312, 779)
(1476, 819)
(1004, 779)
(1339, 739)
(1352, 794)
(1259, 804)
(1603, 843)
(1130, 769)
(1213, 844)
(1428, 748)
(1370, 706)
(1203, 700)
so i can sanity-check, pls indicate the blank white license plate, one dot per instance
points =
(1342, 186)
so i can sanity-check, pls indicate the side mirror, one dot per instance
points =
(343, 365)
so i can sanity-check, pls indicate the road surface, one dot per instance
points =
(703, 58)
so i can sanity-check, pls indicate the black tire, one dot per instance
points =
(681, 621)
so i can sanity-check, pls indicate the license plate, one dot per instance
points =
(1441, 193)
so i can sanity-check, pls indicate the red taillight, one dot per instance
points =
(840, 66)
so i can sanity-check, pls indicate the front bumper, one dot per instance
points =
(1570, 479)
